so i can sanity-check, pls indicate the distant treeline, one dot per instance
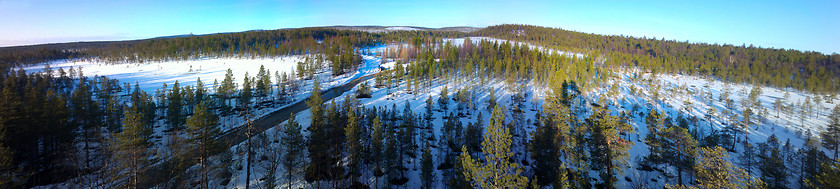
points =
(263, 43)
(810, 71)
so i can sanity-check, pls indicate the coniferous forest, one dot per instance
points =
(506, 106)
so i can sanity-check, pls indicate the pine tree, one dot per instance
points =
(545, 154)
(448, 141)
(473, 135)
(747, 122)
(86, 114)
(378, 140)
(655, 123)
(318, 148)
(831, 135)
(495, 171)
(352, 136)
(606, 141)
(443, 100)
(429, 114)
(427, 168)
(133, 142)
(204, 132)
(714, 170)
(711, 113)
(393, 162)
(336, 120)
(7, 163)
(772, 164)
(829, 175)
(491, 101)
(778, 105)
(747, 158)
(811, 156)
(284, 83)
(681, 149)
(10, 118)
(293, 143)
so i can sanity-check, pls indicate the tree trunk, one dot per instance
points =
(248, 164)
(135, 168)
(289, 172)
(679, 173)
(734, 141)
(202, 171)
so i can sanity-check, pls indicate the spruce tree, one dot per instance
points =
(173, 111)
(260, 82)
(246, 94)
(228, 86)
(200, 92)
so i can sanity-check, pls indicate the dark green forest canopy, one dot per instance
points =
(809, 71)
(258, 43)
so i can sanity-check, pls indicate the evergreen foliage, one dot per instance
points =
(495, 171)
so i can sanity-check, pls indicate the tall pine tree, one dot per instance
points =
(606, 142)
(133, 142)
(496, 171)
(318, 148)
(427, 168)
(293, 143)
(203, 128)
(831, 135)
(714, 170)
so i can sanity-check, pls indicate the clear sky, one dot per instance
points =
(801, 25)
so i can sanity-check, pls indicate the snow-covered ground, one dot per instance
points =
(674, 92)
(460, 41)
(152, 75)
(402, 28)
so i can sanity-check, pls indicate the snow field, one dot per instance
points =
(673, 92)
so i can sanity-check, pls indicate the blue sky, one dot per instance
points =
(801, 25)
